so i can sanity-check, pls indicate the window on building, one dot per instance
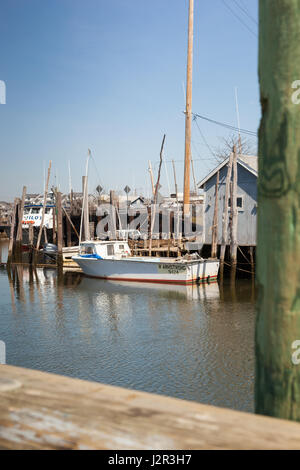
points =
(239, 202)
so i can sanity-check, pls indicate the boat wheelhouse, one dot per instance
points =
(33, 215)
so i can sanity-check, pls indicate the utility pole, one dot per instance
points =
(277, 390)
(188, 112)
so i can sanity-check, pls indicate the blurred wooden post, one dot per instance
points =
(277, 387)
(59, 230)
(214, 239)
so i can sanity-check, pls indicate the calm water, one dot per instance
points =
(194, 343)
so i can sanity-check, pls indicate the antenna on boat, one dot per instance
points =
(188, 111)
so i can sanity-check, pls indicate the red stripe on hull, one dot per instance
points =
(157, 281)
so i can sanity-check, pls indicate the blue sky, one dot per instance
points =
(108, 75)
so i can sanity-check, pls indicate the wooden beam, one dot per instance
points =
(46, 411)
(277, 390)
(70, 221)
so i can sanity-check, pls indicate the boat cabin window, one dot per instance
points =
(87, 250)
(121, 247)
(35, 210)
(110, 250)
(48, 209)
(26, 211)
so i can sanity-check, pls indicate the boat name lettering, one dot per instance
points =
(171, 269)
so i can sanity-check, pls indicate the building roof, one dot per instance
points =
(249, 162)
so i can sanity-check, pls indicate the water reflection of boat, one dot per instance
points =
(190, 292)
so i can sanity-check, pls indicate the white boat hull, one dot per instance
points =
(150, 270)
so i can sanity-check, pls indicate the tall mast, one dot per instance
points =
(188, 110)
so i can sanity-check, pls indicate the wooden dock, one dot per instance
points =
(45, 411)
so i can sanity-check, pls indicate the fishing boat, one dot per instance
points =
(113, 260)
(33, 215)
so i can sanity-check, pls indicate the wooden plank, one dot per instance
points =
(46, 411)
(278, 248)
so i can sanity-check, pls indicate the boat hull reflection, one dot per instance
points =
(190, 292)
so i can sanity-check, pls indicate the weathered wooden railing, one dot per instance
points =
(46, 411)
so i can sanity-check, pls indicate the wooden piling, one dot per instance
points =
(225, 211)
(19, 237)
(12, 233)
(277, 390)
(31, 242)
(44, 209)
(69, 234)
(20, 216)
(54, 237)
(214, 240)
(59, 230)
(234, 213)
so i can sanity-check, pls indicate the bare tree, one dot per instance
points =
(248, 147)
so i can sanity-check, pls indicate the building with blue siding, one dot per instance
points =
(246, 200)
